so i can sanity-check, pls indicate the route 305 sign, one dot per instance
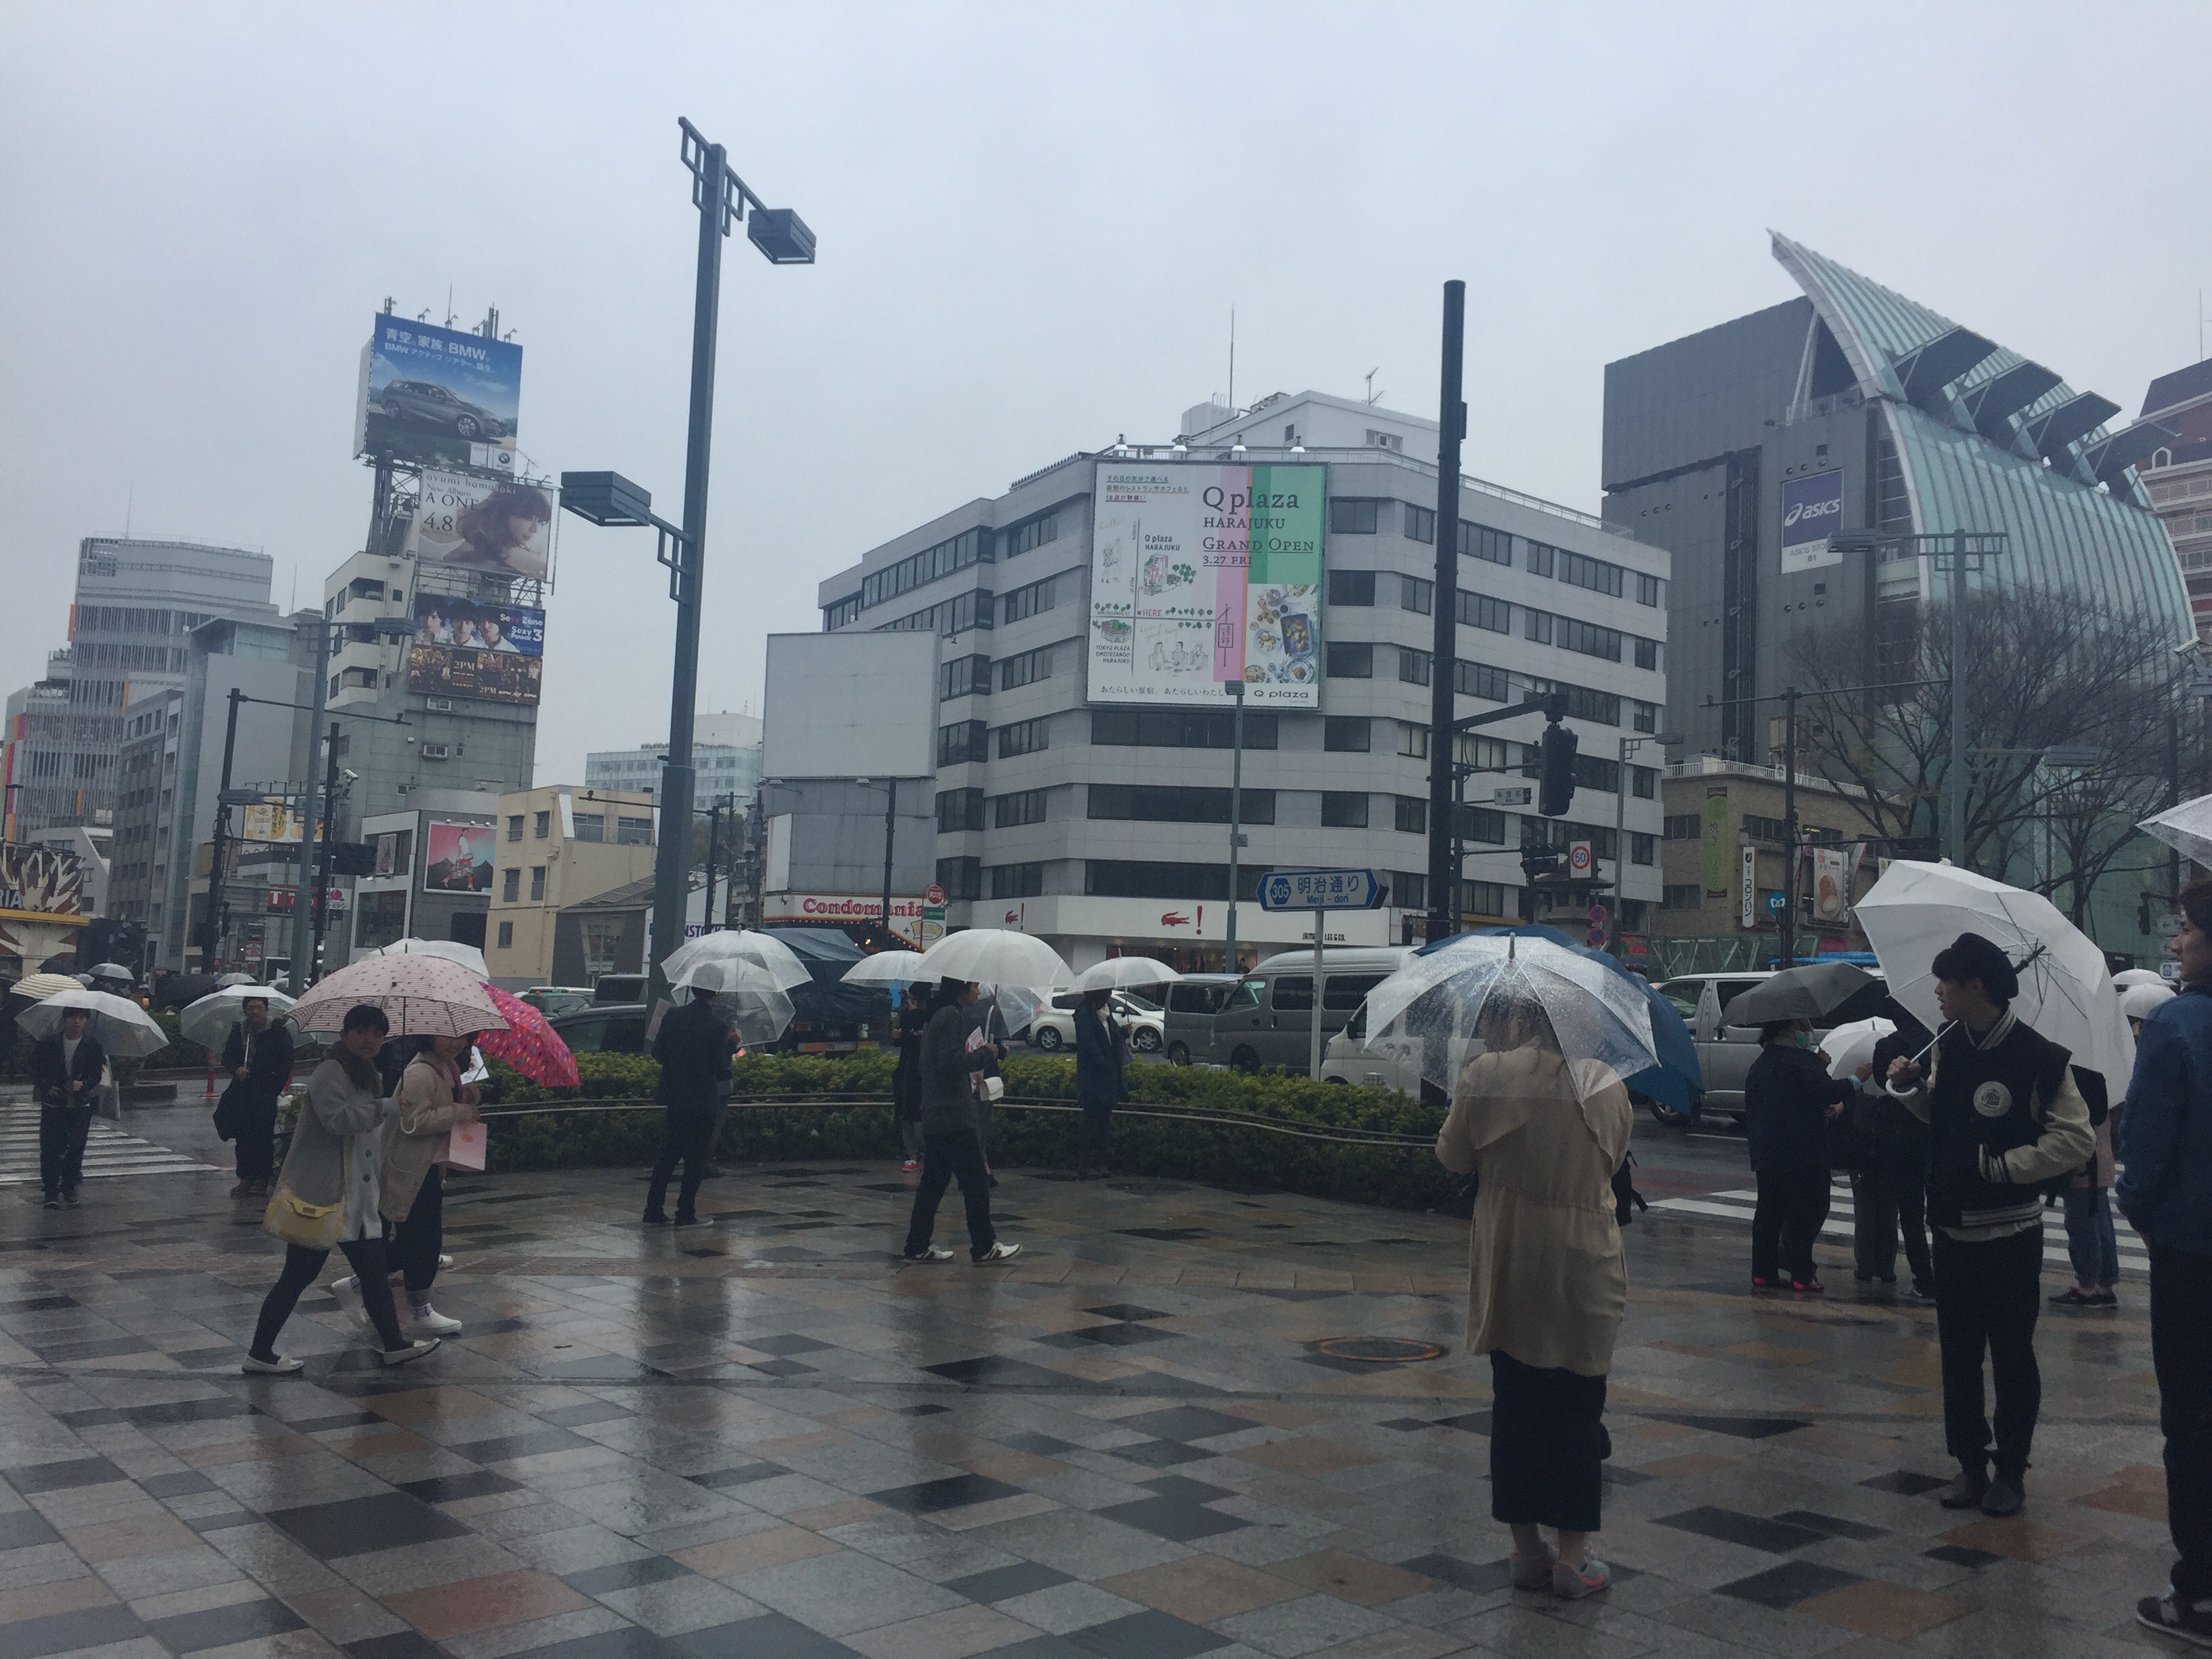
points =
(1323, 889)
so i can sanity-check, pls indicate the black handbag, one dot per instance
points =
(1850, 1135)
(229, 1112)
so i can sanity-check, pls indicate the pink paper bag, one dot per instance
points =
(464, 1147)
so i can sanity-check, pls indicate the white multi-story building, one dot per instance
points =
(725, 755)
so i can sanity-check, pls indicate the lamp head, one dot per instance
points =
(606, 498)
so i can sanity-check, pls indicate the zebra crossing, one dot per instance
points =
(1737, 1205)
(108, 1150)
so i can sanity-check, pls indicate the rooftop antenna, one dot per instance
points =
(1372, 394)
(449, 305)
(1232, 362)
(388, 303)
(490, 327)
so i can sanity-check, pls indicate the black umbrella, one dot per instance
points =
(1825, 993)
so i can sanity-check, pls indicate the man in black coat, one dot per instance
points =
(66, 1070)
(1889, 1192)
(258, 1055)
(693, 1047)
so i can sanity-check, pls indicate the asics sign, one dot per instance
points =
(1811, 511)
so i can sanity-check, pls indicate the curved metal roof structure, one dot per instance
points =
(1989, 440)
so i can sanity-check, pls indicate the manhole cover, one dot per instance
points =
(1379, 1349)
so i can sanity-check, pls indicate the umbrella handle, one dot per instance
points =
(1896, 1093)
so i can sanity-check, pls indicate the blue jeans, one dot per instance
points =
(2089, 1242)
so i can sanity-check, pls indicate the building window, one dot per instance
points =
(957, 553)
(1176, 728)
(964, 677)
(514, 827)
(542, 827)
(1180, 882)
(1572, 634)
(1017, 881)
(1481, 898)
(1023, 737)
(1010, 811)
(1391, 440)
(590, 826)
(1537, 626)
(1026, 669)
(1031, 533)
(1409, 889)
(1642, 848)
(1349, 661)
(1540, 559)
(510, 886)
(506, 936)
(1413, 665)
(1144, 802)
(843, 614)
(633, 832)
(1481, 610)
(963, 740)
(1767, 829)
(953, 616)
(1412, 740)
(1480, 541)
(959, 809)
(961, 878)
(1643, 782)
(1421, 523)
(1413, 815)
(1647, 717)
(1480, 679)
(1647, 589)
(1647, 653)
(1351, 587)
(1025, 602)
(1684, 895)
(536, 881)
(1416, 594)
(1580, 571)
(1346, 734)
(1584, 703)
(1343, 809)
(1353, 518)
(1684, 826)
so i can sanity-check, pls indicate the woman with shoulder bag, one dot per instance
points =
(433, 1101)
(326, 1196)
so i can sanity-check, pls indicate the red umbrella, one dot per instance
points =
(529, 1044)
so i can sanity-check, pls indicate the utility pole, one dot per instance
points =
(1954, 803)
(218, 906)
(1786, 918)
(302, 933)
(1235, 812)
(890, 828)
(713, 848)
(1443, 679)
(322, 853)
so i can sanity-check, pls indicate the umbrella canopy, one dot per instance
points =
(1851, 1046)
(1116, 971)
(1441, 996)
(37, 987)
(738, 944)
(125, 1029)
(2187, 828)
(1823, 992)
(996, 956)
(887, 968)
(528, 1043)
(747, 996)
(2142, 1001)
(2065, 991)
(2128, 978)
(208, 1021)
(450, 948)
(420, 995)
(234, 979)
(114, 970)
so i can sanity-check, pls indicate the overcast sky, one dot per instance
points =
(1034, 219)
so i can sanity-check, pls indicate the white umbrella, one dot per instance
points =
(2187, 828)
(125, 1029)
(746, 995)
(1116, 971)
(996, 956)
(739, 944)
(2129, 978)
(208, 1021)
(421, 995)
(888, 968)
(1851, 1046)
(2065, 990)
(115, 970)
(236, 979)
(451, 949)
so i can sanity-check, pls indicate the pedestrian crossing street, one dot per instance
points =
(108, 1150)
(1738, 1207)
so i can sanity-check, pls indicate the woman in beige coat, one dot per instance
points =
(432, 1101)
(1546, 1277)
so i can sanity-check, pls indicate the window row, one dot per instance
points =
(1368, 516)
(955, 553)
(953, 616)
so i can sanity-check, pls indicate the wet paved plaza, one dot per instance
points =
(766, 1438)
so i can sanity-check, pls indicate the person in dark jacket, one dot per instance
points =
(693, 1047)
(2165, 1192)
(1099, 1087)
(1789, 1099)
(906, 1077)
(950, 1149)
(1889, 1192)
(258, 1055)
(66, 1070)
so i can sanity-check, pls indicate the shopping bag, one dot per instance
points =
(464, 1147)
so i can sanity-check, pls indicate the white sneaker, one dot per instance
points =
(346, 1292)
(934, 1253)
(279, 1366)
(445, 1261)
(427, 1320)
(999, 1252)
(413, 1350)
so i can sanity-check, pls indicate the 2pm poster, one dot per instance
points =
(476, 648)
(1204, 574)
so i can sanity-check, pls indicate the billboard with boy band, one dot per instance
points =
(476, 648)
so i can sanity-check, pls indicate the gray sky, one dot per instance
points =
(1034, 219)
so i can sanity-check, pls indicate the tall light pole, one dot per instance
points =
(1235, 689)
(1443, 658)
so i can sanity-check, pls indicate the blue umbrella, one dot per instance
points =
(1677, 1080)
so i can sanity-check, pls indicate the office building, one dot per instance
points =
(135, 602)
(1103, 826)
(2178, 478)
(725, 750)
(558, 846)
(433, 874)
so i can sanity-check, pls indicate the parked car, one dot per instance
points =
(551, 1000)
(603, 1027)
(1053, 1027)
(1393, 1061)
(618, 987)
(1187, 1022)
(425, 403)
(1266, 1018)
(1725, 1052)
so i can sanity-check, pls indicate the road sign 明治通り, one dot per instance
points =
(1321, 890)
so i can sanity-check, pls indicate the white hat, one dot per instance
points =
(2142, 1001)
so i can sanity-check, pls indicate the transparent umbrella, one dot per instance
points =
(1439, 1001)
(208, 1021)
(450, 948)
(125, 1029)
(888, 968)
(738, 944)
(1117, 971)
(746, 995)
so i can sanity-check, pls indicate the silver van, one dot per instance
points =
(1267, 1018)
(1192, 1003)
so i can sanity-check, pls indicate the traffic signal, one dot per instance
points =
(1555, 791)
(1538, 862)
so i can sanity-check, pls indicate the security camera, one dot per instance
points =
(349, 775)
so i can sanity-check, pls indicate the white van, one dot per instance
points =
(1267, 1018)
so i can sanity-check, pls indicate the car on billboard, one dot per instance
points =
(423, 403)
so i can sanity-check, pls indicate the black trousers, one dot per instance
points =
(1547, 1441)
(953, 1154)
(1094, 1140)
(1987, 1297)
(256, 1144)
(62, 1133)
(1792, 1205)
(690, 1137)
(1889, 1198)
(413, 1244)
(301, 1265)
(2181, 1349)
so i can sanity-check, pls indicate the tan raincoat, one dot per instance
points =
(1547, 1279)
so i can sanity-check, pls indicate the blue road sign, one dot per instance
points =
(1323, 889)
(1774, 902)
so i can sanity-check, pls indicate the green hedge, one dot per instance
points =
(1219, 1154)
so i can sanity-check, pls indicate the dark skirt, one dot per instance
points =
(1547, 1442)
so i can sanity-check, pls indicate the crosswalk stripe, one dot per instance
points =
(108, 1153)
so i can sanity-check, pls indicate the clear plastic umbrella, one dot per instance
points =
(452, 950)
(2187, 828)
(125, 1029)
(888, 968)
(1117, 971)
(738, 944)
(997, 956)
(1439, 999)
(746, 994)
(208, 1021)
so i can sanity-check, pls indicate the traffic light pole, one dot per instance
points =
(218, 907)
(1444, 678)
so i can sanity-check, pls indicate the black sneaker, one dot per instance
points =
(1966, 1492)
(684, 1221)
(656, 1218)
(52, 1203)
(2169, 1615)
(2003, 1497)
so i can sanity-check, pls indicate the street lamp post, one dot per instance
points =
(606, 498)
(1235, 689)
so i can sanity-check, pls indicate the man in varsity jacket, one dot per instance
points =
(2004, 1114)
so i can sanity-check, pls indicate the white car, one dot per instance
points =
(1053, 1028)
(1393, 1061)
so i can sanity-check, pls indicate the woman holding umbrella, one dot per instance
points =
(1789, 1100)
(433, 1101)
